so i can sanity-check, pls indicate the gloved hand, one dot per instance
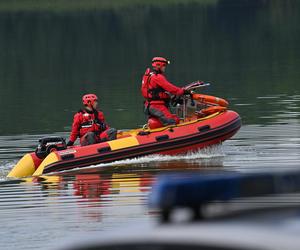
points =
(70, 143)
(187, 92)
(176, 100)
(103, 126)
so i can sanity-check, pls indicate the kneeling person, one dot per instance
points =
(156, 90)
(89, 124)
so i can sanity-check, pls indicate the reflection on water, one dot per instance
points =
(109, 196)
(49, 60)
(269, 109)
(273, 147)
(52, 205)
(249, 51)
(116, 196)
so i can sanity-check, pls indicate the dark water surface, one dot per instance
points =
(248, 50)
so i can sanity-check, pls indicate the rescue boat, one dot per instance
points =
(205, 121)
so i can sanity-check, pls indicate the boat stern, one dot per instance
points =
(51, 158)
(26, 166)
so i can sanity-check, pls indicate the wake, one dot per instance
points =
(214, 152)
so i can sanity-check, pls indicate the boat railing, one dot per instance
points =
(187, 109)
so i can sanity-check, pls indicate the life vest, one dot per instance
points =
(91, 122)
(149, 92)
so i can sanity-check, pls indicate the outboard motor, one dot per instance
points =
(49, 144)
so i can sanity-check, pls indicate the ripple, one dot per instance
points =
(102, 198)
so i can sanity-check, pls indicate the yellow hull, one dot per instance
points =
(25, 167)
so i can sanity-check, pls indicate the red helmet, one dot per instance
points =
(158, 62)
(89, 99)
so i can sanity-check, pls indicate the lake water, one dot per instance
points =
(248, 50)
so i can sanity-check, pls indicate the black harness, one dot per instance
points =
(154, 92)
(96, 120)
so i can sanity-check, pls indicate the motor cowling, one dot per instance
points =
(49, 144)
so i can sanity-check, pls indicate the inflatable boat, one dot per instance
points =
(205, 121)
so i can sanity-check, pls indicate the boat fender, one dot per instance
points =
(212, 109)
(104, 150)
(210, 99)
(204, 128)
(162, 138)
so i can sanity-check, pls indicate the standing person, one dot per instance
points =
(89, 124)
(156, 90)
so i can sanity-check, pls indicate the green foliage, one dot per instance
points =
(86, 5)
(48, 61)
